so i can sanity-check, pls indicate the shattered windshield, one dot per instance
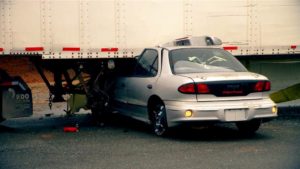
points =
(203, 60)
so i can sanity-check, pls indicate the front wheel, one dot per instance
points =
(249, 127)
(159, 119)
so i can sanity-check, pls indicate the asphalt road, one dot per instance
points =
(40, 142)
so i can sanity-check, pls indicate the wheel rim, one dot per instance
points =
(160, 120)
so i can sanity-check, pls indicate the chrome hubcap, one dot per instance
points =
(159, 127)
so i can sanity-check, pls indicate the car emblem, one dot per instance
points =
(233, 86)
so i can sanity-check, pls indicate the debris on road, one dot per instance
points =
(71, 129)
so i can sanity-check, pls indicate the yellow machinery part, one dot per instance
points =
(287, 94)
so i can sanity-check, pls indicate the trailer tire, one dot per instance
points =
(99, 102)
(97, 117)
(99, 105)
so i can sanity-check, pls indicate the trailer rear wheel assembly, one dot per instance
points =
(99, 98)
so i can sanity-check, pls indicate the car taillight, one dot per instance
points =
(192, 88)
(202, 88)
(261, 86)
(267, 86)
(187, 88)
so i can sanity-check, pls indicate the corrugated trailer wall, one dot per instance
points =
(120, 28)
(254, 26)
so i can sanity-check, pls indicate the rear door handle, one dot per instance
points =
(149, 86)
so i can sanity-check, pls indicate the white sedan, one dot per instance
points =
(177, 85)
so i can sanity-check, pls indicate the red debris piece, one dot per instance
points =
(70, 129)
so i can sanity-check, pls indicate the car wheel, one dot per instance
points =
(249, 127)
(159, 119)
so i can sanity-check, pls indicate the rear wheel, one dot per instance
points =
(249, 127)
(159, 119)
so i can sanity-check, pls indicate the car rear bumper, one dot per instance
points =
(221, 111)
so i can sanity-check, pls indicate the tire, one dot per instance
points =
(248, 127)
(100, 110)
(97, 118)
(99, 99)
(159, 119)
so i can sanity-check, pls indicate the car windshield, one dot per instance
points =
(203, 60)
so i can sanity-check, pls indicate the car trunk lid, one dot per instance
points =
(228, 86)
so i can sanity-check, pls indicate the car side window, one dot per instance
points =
(147, 64)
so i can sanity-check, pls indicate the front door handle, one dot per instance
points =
(149, 86)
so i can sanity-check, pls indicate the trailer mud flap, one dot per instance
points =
(16, 99)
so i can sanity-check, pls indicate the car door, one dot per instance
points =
(142, 82)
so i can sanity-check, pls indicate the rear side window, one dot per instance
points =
(203, 60)
(147, 64)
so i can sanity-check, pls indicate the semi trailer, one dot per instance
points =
(84, 42)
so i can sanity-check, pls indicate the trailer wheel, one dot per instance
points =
(99, 104)
(97, 118)
(99, 101)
